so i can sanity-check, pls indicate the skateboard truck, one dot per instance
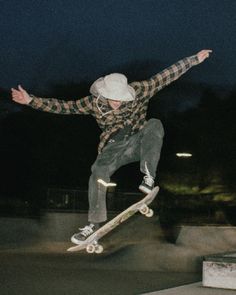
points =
(94, 248)
(145, 210)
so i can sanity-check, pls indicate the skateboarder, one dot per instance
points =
(120, 111)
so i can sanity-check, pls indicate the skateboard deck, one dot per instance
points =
(91, 244)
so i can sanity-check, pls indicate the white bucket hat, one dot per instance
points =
(114, 86)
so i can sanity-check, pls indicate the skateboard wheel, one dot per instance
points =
(90, 249)
(144, 209)
(149, 213)
(98, 249)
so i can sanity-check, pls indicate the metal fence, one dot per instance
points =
(76, 200)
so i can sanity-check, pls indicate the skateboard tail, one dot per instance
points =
(76, 248)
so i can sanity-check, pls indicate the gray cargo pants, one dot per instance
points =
(143, 146)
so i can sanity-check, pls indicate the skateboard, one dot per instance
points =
(91, 244)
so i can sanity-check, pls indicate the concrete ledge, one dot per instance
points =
(219, 271)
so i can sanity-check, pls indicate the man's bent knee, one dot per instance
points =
(155, 126)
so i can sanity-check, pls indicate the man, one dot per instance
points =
(120, 111)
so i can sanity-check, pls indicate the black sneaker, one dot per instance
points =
(147, 184)
(84, 233)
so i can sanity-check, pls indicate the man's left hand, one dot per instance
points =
(203, 54)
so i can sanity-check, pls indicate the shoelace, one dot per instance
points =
(148, 178)
(86, 231)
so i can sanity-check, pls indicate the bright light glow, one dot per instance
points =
(106, 184)
(183, 155)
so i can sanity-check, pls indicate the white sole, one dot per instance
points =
(77, 242)
(144, 189)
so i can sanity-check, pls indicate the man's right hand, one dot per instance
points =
(20, 95)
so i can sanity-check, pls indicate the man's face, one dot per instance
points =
(115, 104)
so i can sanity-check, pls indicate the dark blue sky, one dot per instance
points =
(46, 43)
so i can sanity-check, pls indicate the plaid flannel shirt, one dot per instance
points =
(132, 113)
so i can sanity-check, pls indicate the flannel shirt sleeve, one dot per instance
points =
(56, 106)
(148, 88)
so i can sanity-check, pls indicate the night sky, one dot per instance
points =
(58, 48)
(45, 43)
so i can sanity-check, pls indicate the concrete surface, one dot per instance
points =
(62, 274)
(192, 289)
(33, 254)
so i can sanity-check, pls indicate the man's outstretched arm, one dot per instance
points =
(148, 88)
(52, 105)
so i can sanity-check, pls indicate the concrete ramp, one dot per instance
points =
(207, 238)
(137, 244)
